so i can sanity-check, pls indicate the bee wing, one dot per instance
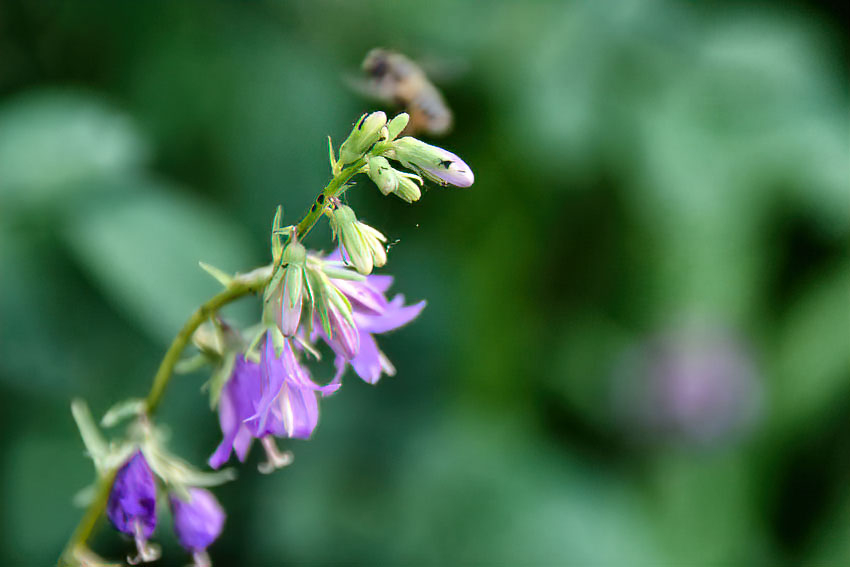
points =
(445, 70)
(368, 88)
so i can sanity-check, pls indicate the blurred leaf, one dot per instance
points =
(813, 354)
(144, 251)
(41, 476)
(53, 142)
(704, 509)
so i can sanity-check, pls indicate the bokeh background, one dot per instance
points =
(636, 346)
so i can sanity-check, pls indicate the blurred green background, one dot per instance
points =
(636, 346)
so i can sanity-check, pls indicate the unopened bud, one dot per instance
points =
(389, 180)
(366, 132)
(293, 260)
(363, 244)
(439, 165)
(396, 125)
(198, 521)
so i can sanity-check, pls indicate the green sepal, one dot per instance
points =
(396, 125)
(191, 363)
(126, 409)
(277, 339)
(93, 439)
(277, 247)
(220, 276)
(317, 284)
(273, 283)
(176, 473)
(342, 273)
(335, 166)
(220, 377)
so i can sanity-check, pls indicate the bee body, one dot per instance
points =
(398, 80)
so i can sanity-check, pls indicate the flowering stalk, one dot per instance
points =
(344, 308)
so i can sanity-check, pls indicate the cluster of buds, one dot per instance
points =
(261, 383)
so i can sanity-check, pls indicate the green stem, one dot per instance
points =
(333, 189)
(242, 285)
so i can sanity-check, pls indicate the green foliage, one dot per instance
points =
(635, 167)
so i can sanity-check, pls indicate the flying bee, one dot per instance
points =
(395, 79)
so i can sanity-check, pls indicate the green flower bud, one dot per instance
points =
(383, 175)
(396, 125)
(408, 189)
(363, 245)
(389, 180)
(439, 165)
(366, 132)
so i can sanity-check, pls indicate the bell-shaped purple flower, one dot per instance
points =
(372, 314)
(198, 521)
(132, 502)
(288, 405)
(236, 405)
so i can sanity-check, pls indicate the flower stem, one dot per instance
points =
(240, 286)
(333, 189)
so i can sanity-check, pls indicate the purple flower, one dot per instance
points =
(132, 502)
(273, 398)
(197, 521)
(372, 314)
(288, 405)
(236, 405)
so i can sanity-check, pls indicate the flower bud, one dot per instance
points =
(366, 132)
(362, 243)
(383, 175)
(293, 261)
(132, 502)
(198, 521)
(333, 311)
(396, 125)
(131, 507)
(438, 165)
(389, 180)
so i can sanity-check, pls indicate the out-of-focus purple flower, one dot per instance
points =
(198, 521)
(696, 383)
(132, 502)
(372, 314)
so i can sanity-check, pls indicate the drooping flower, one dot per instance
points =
(236, 405)
(372, 314)
(198, 521)
(131, 507)
(272, 398)
(439, 165)
(288, 406)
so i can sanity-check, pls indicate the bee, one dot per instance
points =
(397, 80)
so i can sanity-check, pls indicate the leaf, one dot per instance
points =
(54, 143)
(143, 253)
